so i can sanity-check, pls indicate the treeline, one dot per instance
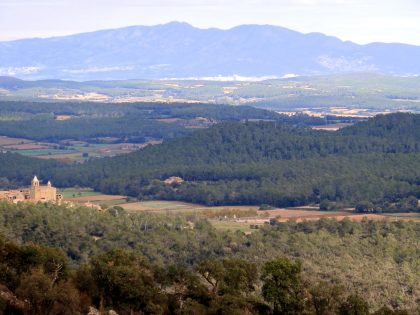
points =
(171, 265)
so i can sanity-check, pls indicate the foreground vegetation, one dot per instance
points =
(39, 281)
(375, 260)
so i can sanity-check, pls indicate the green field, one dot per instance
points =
(78, 192)
(110, 203)
(232, 226)
(159, 206)
(44, 152)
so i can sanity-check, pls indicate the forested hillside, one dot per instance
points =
(262, 162)
(17, 170)
(269, 162)
(132, 122)
(166, 265)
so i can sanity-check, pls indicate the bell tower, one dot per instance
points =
(35, 182)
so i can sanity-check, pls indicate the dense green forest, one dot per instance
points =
(374, 163)
(128, 127)
(269, 162)
(166, 265)
(132, 122)
(15, 169)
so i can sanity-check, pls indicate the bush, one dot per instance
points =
(326, 205)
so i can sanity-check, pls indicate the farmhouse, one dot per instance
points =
(35, 193)
(173, 180)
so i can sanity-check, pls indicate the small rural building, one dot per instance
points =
(173, 180)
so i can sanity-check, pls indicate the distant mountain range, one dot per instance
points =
(179, 50)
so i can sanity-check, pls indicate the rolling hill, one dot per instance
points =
(253, 163)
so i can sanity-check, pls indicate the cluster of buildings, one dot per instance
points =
(35, 193)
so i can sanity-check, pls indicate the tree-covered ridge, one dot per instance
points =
(397, 127)
(266, 162)
(250, 142)
(144, 110)
(350, 179)
(133, 121)
(377, 260)
(127, 127)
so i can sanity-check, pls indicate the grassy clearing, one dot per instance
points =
(72, 157)
(160, 206)
(44, 152)
(174, 207)
(110, 203)
(232, 226)
(78, 192)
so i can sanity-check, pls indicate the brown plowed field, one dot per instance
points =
(11, 141)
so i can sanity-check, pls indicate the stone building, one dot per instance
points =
(13, 195)
(35, 193)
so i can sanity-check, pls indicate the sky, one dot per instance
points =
(361, 21)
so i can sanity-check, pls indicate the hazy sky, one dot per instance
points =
(361, 21)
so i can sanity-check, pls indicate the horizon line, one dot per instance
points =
(196, 27)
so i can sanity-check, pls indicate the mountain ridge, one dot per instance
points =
(179, 50)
